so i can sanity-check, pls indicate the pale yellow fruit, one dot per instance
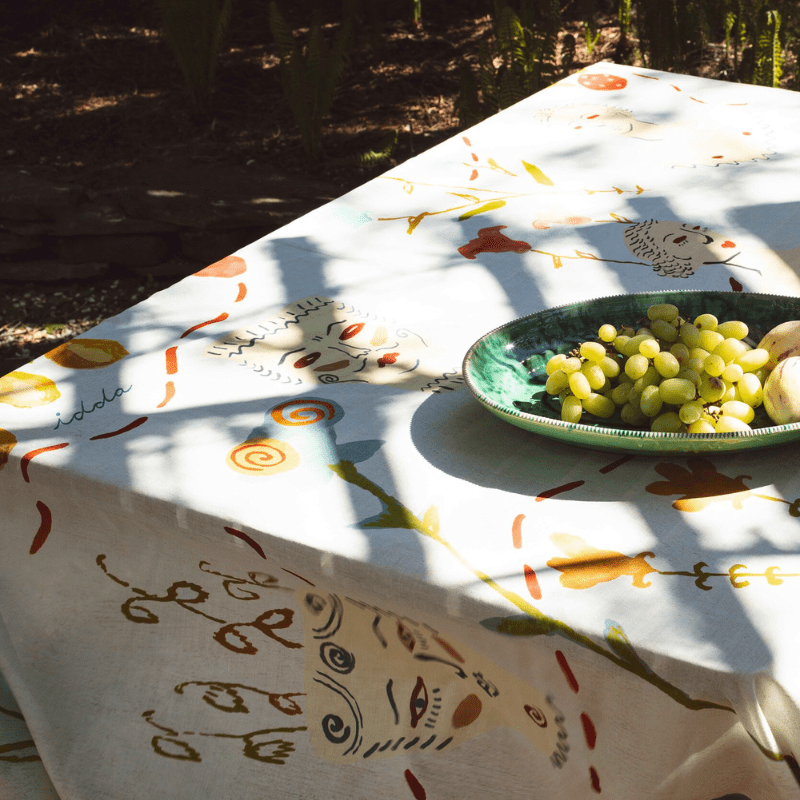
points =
(782, 392)
(782, 342)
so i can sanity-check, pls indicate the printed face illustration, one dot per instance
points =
(378, 684)
(318, 340)
(678, 249)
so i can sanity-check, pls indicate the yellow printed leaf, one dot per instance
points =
(537, 174)
(471, 197)
(482, 209)
(494, 165)
(431, 519)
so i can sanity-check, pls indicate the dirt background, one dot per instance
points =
(91, 93)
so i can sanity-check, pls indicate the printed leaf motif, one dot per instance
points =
(7, 444)
(537, 174)
(587, 566)
(19, 752)
(618, 641)
(431, 519)
(491, 206)
(700, 485)
(174, 748)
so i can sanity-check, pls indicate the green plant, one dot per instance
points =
(521, 60)
(310, 74)
(195, 29)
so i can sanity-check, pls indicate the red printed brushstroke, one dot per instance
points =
(595, 779)
(466, 141)
(169, 394)
(589, 731)
(449, 648)
(228, 267)
(676, 88)
(389, 358)
(567, 487)
(223, 316)
(416, 787)
(44, 527)
(247, 540)
(299, 576)
(474, 156)
(516, 531)
(26, 459)
(129, 427)
(172, 360)
(242, 293)
(614, 464)
(696, 100)
(735, 285)
(568, 674)
(490, 240)
(473, 175)
(532, 582)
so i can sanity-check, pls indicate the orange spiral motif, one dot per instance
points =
(304, 411)
(263, 457)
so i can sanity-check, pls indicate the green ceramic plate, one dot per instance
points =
(505, 369)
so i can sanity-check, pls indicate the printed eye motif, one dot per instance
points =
(350, 331)
(305, 361)
(406, 637)
(419, 702)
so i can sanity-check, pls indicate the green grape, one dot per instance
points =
(698, 352)
(632, 345)
(644, 331)
(680, 351)
(691, 412)
(710, 340)
(555, 363)
(732, 373)
(706, 322)
(571, 365)
(650, 402)
(621, 392)
(650, 378)
(594, 374)
(667, 364)
(571, 409)
(593, 351)
(662, 311)
(711, 388)
(664, 330)
(753, 360)
(728, 424)
(750, 389)
(621, 342)
(677, 391)
(702, 426)
(636, 366)
(689, 335)
(729, 349)
(631, 413)
(599, 406)
(557, 382)
(695, 364)
(627, 330)
(738, 409)
(610, 367)
(734, 329)
(689, 374)
(607, 333)
(714, 365)
(729, 393)
(649, 348)
(579, 385)
(668, 422)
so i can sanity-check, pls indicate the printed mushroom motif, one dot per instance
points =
(87, 353)
(602, 82)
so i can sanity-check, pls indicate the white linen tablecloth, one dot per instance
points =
(257, 539)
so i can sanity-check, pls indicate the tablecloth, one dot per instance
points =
(258, 539)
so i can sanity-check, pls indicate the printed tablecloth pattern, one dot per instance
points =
(257, 538)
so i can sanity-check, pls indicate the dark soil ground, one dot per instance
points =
(90, 100)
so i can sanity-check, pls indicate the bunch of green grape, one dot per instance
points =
(673, 375)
